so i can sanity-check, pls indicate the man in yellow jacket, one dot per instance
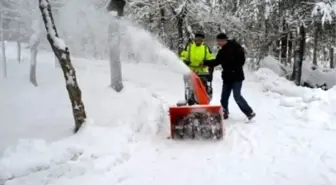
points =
(193, 56)
(195, 53)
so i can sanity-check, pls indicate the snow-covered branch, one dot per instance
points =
(49, 25)
(327, 11)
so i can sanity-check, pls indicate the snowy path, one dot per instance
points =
(277, 149)
(286, 144)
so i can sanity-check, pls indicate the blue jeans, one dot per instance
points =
(240, 100)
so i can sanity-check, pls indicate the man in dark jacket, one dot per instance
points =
(231, 57)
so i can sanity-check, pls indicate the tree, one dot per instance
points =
(34, 43)
(299, 55)
(3, 47)
(116, 8)
(62, 52)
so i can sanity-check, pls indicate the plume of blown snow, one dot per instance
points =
(86, 33)
(138, 45)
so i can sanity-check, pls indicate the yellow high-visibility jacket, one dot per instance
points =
(196, 55)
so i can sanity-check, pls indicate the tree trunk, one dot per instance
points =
(325, 56)
(299, 56)
(171, 43)
(116, 81)
(295, 36)
(180, 22)
(283, 46)
(3, 46)
(4, 62)
(33, 57)
(189, 31)
(235, 4)
(280, 28)
(34, 42)
(114, 44)
(316, 38)
(162, 23)
(289, 48)
(264, 49)
(180, 34)
(18, 43)
(63, 55)
(332, 60)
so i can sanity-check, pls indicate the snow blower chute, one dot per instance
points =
(195, 118)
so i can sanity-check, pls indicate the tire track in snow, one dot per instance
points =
(242, 141)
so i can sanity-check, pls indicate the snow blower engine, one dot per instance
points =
(194, 117)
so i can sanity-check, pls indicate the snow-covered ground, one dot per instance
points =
(290, 143)
(312, 75)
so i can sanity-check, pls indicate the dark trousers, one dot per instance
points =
(240, 100)
(211, 71)
(207, 82)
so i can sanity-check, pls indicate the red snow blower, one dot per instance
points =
(195, 118)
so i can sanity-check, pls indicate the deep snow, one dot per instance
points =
(124, 142)
(315, 76)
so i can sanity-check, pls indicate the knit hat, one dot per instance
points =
(199, 35)
(222, 36)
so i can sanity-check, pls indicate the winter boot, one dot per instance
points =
(210, 90)
(251, 116)
(225, 115)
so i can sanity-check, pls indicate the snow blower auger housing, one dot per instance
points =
(194, 118)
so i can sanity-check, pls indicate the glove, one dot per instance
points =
(207, 62)
(187, 62)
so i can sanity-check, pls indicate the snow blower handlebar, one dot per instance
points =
(199, 89)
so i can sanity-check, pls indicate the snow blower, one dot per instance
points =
(195, 118)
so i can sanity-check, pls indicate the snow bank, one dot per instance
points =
(124, 118)
(311, 105)
(271, 63)
(37, 116)
(311, 75)
(272, 82)
(94, 149)
(316, 76)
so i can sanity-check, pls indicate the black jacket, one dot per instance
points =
(232, 59)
